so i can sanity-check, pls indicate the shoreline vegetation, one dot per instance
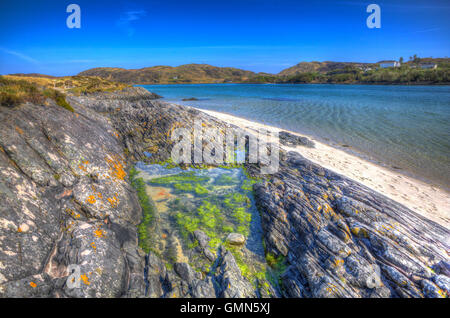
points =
(417, 71)
(15, 90)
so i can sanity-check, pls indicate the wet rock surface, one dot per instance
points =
(65, 199)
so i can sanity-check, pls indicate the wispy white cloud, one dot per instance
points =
(428, 30)
(126, 19)
(19, 55)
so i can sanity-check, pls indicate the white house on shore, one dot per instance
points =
(387, 64)
(428, 66)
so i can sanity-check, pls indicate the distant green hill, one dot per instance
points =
(305, 72)
(189, 73)
(321, 67)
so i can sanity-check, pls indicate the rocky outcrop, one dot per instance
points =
(291, 140)
(65, 200)
(67, 210)
(341, 239)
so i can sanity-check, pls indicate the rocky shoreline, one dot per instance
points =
(66, 200)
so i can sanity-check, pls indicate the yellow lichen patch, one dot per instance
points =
(338, 262)
(73, 213)
(91, 199)
(113, 201)
(175, 125)
(98, 194)
(325, 196)
(85, 279)
(116, 168)
(442, 293)
(99, 232)
(328, 211)
(360, 232)
(331, 288)
(93, 245)
(82, 168)
(82, 165)
(33, 284)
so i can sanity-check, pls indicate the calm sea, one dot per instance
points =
(402, 127)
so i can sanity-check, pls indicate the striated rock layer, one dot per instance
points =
(65, 199)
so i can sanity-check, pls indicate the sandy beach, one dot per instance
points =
(428, 200)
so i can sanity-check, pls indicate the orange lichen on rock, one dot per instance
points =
(113, 201)
(20, 131)
(82, 165)
(33, 284)
(73, 213)
(85, 279)
(338, 262)
(82, 168)
(99, 232)
(93, 245)
(116, 168)
(98, 194)
(91, 199)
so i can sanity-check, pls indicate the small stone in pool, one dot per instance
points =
(236, 239)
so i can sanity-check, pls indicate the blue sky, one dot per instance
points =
(257, 35)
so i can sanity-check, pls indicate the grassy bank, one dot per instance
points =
(15, 90)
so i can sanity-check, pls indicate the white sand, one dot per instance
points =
(428, 200)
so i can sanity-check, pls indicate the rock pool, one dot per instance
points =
(188, 203)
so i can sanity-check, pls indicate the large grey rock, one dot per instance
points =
(342, 239)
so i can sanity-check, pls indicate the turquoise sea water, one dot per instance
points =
(402, 127)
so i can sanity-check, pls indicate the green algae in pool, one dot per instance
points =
(217, 201)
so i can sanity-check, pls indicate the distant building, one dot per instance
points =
(387, 64)
(428, 66)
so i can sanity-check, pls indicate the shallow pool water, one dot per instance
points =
(217, 201)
